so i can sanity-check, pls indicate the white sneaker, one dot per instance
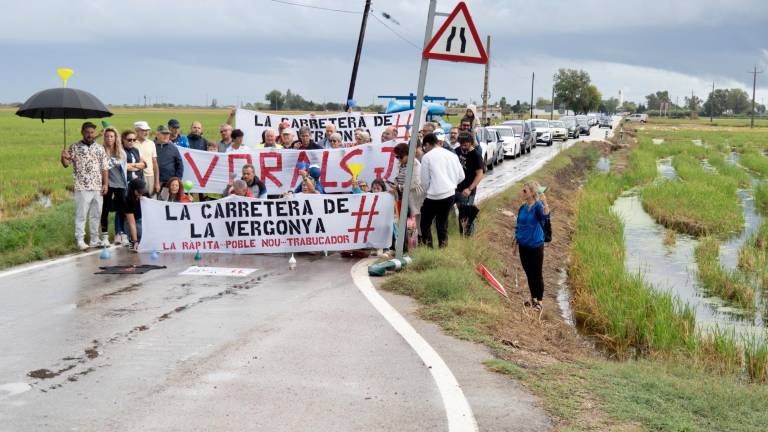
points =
(118, 239)
(81, 245)
(104, 240)
(95, 243)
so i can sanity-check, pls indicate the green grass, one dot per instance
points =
(703, 122)
(756, 357)
(701, 203)
(755, 162)
(620, 309)
(48, 234)
(741, 177)
(761, 197)
(657, 395)
(726, 284)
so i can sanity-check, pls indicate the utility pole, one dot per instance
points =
(552, 113)
(754, 83)
(712, 103)
(533, 78)
(485, 84)
(360, 37)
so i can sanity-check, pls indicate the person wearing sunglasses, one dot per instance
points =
(335, 140)
(225, 130)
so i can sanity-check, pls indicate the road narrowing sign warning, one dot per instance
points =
(457, 39)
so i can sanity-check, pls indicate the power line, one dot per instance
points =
(395, 33)
(318, 7)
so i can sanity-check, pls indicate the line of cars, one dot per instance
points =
(514, 138)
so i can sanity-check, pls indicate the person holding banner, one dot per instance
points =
(389, 134)
(226, 138)
(441, 172)
(335, 140)
(286, 138)
(305, 140)
(237, 143)
(330, 129)
(168, 160)
(270, 139)
(313, 173)
(195, 137)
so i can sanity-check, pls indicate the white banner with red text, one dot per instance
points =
(254, 123)
(279, 169)
(307, 222)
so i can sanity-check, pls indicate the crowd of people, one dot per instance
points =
(114, 175)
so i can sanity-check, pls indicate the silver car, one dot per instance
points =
(511, 137)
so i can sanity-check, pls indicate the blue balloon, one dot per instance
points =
(302, 166)
(351, 103)
(314, 171)
(105, 254)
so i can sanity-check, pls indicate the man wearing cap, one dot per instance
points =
(168, 161)
(286, 138)
(148, 152)
(195, 137)
(90, 165)
(440, 134)
(176, 136)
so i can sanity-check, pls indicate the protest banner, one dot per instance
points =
(254, 123)
(278, 169)
(308, 222)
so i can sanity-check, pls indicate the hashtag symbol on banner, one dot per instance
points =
(362, 213)
(407, 126)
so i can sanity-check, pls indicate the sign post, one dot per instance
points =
(461, 44)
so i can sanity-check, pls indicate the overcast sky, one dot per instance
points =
(188, 51)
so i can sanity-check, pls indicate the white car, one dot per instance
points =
(511, 139)
(642, 118)
(488, 146)
(559, 130)
(541, 131)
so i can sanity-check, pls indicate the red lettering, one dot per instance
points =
(202, 180)
(343, 165)
(390, 164)
(266, 171)
(302, 158)
(233, 156)
(324, 170)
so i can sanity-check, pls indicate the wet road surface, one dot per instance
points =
(276, 350)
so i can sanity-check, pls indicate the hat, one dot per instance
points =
(173, 123)
(287, 130)
(163, 129)
(142, 125)
(440, 133)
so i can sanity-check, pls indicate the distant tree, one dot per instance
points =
(610, 105)
(654, 100)
(542, 103)
(641, 109)
(517, 107)
(525, 107)
(629, 106)
(738, 101)
(693, 104)
(717, 101)
(575, 90)
(276, 99)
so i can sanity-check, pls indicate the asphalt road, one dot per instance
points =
(278, 350)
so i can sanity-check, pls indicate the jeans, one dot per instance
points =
(468, 201)
(532, 260)
(437, 210)
(87, 203)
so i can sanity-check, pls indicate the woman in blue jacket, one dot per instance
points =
(529, 236)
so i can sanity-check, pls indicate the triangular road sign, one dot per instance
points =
(457, 39)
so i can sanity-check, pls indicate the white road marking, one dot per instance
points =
(457, 409)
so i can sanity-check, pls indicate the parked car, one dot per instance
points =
(511, 137)
(606, 121)
(581, 120)
(592, 119)
(489, 146)
(571, 125)
(528, 139)
(642, 118)
(541, 131)
(559, 131)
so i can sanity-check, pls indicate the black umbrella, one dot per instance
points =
(63, 103)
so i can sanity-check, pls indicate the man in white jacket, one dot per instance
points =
(441, 172)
